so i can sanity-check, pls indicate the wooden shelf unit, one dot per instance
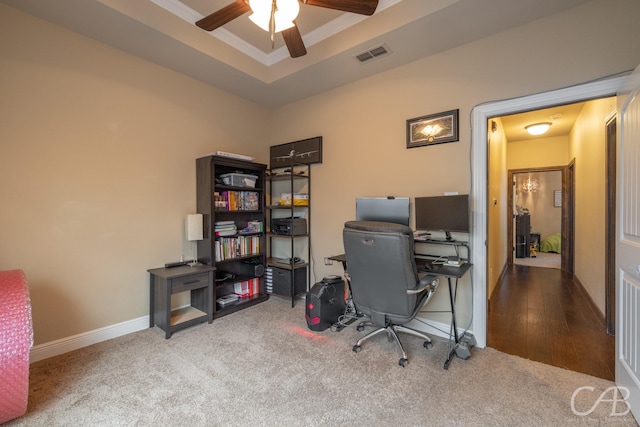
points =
(289, 179)
(209, 186)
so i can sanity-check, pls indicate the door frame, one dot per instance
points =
(566, 220)
(610, 219)
(480, 173)
(569, 218)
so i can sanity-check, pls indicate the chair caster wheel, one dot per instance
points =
(427, 344)
(360, 327)
(356, 348)
(403, 362)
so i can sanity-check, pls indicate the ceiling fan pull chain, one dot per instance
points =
(272, 24)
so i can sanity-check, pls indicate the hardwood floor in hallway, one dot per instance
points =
(540, 314)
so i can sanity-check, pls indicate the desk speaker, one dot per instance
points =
(250, 268)
(325, 303)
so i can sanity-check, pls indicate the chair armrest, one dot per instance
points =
(426, 282)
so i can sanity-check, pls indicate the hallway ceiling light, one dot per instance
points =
(538, 128)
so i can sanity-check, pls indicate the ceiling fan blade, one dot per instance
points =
(362, 7)
(293, 40)
(224, 15)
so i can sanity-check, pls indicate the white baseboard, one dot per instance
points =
(436, 328)
(75, 342)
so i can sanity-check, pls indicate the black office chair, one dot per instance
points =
(383, 278)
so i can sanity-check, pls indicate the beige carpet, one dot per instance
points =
(262, 366)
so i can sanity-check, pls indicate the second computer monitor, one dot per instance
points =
(443, 213)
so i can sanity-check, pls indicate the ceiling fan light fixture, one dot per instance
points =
(285, 12)
(538, 128)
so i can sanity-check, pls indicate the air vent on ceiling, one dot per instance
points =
(373, 53)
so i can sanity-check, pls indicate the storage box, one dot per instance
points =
(299, 199)
(281, 281)
(239, 179)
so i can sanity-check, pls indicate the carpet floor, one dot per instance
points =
(263, 367)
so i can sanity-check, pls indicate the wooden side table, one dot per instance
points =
(164, 282)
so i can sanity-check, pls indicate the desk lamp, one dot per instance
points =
(194, 233)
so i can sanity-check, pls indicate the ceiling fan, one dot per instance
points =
(268, 14)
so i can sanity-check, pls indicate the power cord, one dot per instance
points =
(349, 316)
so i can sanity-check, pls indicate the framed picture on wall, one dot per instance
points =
(307, 151)
(557, 198)
(432, 129)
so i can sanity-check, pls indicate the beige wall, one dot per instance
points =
(497, 248)
(541, 152)
(98, 148)
(97, 170)
(587, 146)
(363, 124)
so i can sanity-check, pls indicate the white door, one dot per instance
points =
(628, 245)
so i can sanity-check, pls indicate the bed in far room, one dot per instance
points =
(552, 243)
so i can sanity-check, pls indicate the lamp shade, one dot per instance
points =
(286, 11)
(194, 227)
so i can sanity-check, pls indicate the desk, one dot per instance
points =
(452, 274)
(340, 258)
(460, 347)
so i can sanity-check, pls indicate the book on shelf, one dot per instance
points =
(219, 201)
(236, 200)
(225, 228)
(252, 228)
(226, 233)
(247, 288)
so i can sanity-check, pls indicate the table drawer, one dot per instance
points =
(188, 283)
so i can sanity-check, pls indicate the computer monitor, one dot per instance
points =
(386, 209)
(443, 213)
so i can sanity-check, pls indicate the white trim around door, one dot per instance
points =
(479, 174)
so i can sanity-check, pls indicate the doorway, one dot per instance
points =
(539, 216)
(555, 308)
(480, 238)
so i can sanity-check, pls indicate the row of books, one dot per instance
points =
(225, 228)
(234, 247)
(236, 200)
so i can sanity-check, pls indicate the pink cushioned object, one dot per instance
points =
(16, 339)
